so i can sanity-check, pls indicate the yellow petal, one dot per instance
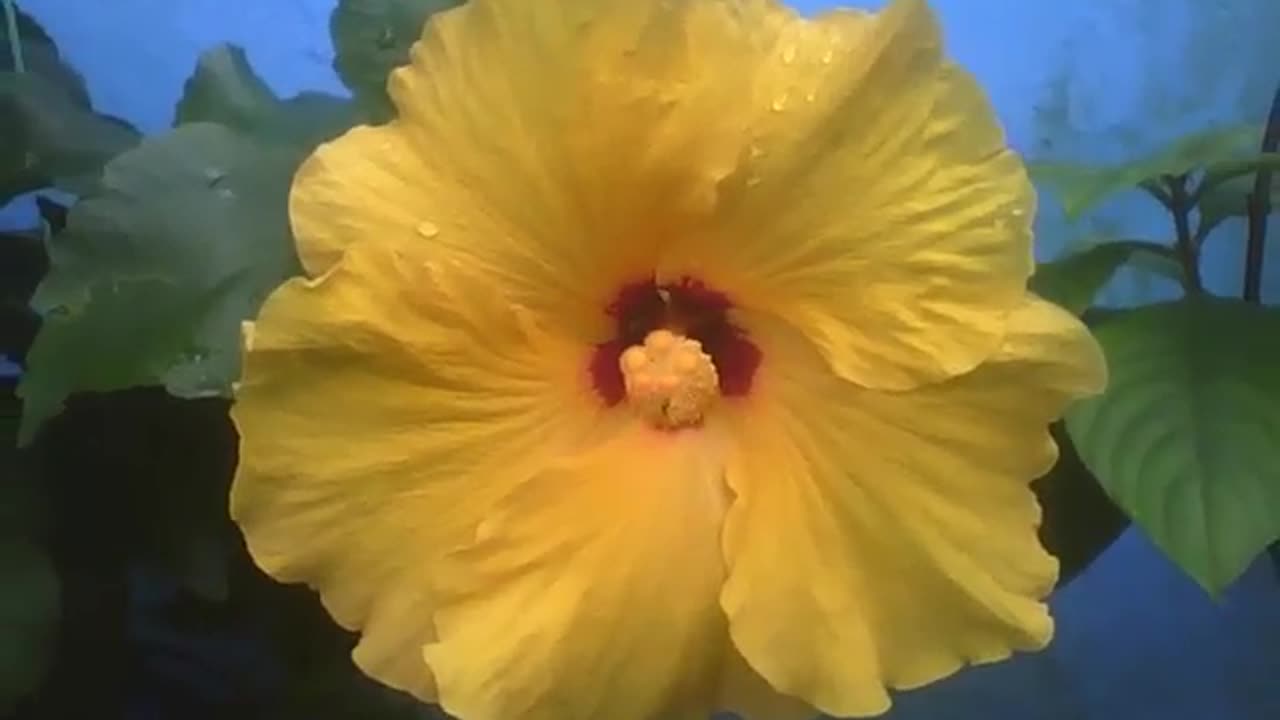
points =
(551, 146)
(591, 591)
(882, 540)
(877, 206)
(383, 409)
(749, 696)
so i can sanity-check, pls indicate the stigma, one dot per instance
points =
(670, 381)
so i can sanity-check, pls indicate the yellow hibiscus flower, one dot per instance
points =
(663, 357)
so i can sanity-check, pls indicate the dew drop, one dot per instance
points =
(428, 229)
(779, 103)
(788, 54)
(827, 57)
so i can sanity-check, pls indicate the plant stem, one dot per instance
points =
(1188, 249)
(15, 42)
(1259, 209)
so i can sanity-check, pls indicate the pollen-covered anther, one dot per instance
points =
(670, 380)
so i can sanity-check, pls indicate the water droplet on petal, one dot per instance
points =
(828, 56)
(788, 54)
(428, 229)
(779, 103)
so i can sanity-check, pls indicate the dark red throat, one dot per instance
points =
(688, 307)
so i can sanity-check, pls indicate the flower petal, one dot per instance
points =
(882, 540)
(591, 591)
(552, 146)
(383, 409)
(744, 693)
(878, 206)
(361, 186)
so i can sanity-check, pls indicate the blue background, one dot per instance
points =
(1089, 80)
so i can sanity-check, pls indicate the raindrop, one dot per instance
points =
(779, 103)
(428, 229)
(810, 96)
(828, 56)
(788, 54)
(214, 175)
(226, 193)
(386, 38)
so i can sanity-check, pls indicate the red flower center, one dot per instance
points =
(688, 308)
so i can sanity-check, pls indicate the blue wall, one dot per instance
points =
(1090, 79)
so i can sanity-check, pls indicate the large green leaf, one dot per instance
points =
(154, 272)
(29, 609)
(373, 37)
(65, 143)
(1187, 436)
(42, 59)
(225, 89)
(1075, 280)
(51, 134)
(1227, 187)
(1228, 169)
(127, 332)
(1081, 187)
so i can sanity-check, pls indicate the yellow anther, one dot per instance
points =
(685, 362)
(634, 360)
(661, 340)
(670, 381)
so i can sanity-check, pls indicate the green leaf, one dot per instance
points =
(29, 610)
(60, 140)
(1227, 187)
(1227, 169)
(18, 172)
(1081, 187)
(1073, 281)
(373, 37)
(225, 89)
(1187, 436)
(154, 273)
(42, 59)
(123, 333)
